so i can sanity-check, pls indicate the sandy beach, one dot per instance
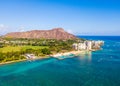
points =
(2, 63)
(43, 57)
(68, 53)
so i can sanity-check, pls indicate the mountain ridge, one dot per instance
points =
(55, 33)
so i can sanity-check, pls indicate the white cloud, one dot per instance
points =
(70, 31)
(21, 29)
(3, 29)
(2, 25)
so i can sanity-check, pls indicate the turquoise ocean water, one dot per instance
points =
(100, 68)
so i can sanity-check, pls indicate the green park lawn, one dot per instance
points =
(19, 48)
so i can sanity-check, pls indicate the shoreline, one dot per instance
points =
(2, 63)
(68, 53)
(9, 62)
(48, 56)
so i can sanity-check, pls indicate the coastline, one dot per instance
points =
(2, 63)
(68, 53)
(56, 55)
(9, 62)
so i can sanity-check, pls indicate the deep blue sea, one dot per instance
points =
(99, 68)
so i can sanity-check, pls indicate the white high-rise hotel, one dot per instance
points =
(88, 45)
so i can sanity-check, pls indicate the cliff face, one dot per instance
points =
(56, 33)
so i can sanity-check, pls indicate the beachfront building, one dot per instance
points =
(30, 56)
(88, 45)
(75, 46)
(81, 46)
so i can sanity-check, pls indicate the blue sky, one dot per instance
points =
(80, 17)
